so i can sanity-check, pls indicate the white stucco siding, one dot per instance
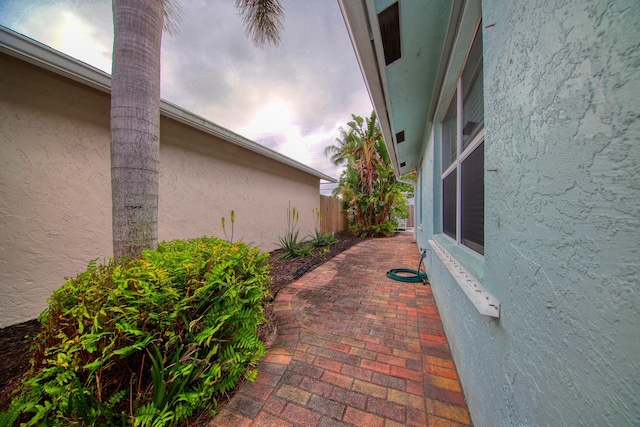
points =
(55, 186)
(203, 178)
(55, 210)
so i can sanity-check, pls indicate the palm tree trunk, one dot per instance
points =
(135, 125)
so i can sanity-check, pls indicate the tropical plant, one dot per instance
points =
(368, 185)
(319, 238)
(148, 341)
(291, 244)
(135, 120)
(135, 109)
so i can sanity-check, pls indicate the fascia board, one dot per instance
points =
(34, 52)
(367, 42)
(174, 112)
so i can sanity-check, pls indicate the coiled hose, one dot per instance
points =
(409, 276)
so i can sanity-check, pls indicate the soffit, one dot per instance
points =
(411, 80)
(403, 92)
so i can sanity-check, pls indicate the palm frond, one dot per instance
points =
(262, 20)
(172, 16)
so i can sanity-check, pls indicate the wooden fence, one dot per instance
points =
(331, 217)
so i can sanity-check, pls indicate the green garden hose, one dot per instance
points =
(409, 276)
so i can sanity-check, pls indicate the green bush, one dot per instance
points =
(384, 229)
(148, 342)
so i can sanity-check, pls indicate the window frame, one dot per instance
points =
(462, 153)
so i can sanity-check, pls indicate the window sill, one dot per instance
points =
(485, 303)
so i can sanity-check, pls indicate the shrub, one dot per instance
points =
(384, 229)
(147, 342)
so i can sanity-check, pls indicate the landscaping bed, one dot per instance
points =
(14, 348)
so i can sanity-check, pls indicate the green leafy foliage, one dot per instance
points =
(293, 247)
(149, 341)
(318, 238)
(368, 186)
(291, 244)
(385, 228)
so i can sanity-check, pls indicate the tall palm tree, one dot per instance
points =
(135, 109)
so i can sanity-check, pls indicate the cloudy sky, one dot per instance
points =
(292, 98)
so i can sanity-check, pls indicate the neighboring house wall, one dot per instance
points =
(55, 188)
(55, 185)
(202, 180)
(562, 219)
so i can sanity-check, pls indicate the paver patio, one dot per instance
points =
(355, 348)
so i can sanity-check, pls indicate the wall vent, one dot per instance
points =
(389, 21)
(400, 137)
(403, 164)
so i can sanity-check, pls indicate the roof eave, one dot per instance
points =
(34, 52)
(365, 39)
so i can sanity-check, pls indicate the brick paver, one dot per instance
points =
(355, 348)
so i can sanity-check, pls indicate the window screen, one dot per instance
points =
(472, 101)
(450, 135)
(472, 200)
(449, 204)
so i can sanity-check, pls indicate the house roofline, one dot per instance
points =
(36, 53)
(365, 39)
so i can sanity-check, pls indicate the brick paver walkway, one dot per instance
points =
(355, 348)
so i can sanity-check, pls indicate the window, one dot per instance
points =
(389, 21)
(463, 157)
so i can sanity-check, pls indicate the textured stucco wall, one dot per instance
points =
(55, 209)
(562, 220)
(55, 191)
(203, 180)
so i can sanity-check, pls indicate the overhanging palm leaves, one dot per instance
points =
(262, 20)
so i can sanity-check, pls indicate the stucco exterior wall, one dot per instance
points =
(55, 191)
(55, 209)
(202, 180)
(562, 219)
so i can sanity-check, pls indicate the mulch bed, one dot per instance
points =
(14, 347)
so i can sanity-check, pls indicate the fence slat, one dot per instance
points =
(331, 217)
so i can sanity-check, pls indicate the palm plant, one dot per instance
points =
(368, 184)
(135, 109)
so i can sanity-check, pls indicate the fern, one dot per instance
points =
(147, 342)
